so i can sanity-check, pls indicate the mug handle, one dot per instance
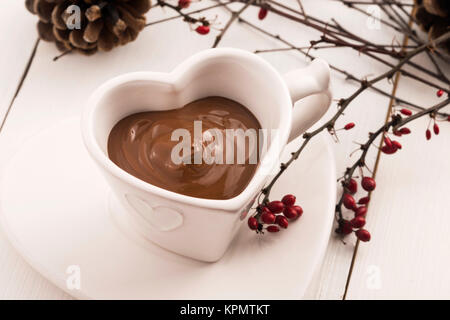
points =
(310, 92)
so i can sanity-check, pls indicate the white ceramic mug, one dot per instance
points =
(201, 228)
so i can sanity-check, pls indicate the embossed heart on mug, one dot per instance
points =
(162, 218)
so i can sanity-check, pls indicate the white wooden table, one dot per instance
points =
(409, 216)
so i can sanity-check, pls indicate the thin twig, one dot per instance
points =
(302, 9)
(188, 13)
(62, 55)
(234, 16)
(368, 3)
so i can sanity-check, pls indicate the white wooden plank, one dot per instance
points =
(18, 39)
(54, 91)
(408, 256)
(19, 36)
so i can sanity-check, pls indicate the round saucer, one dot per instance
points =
(55, 211)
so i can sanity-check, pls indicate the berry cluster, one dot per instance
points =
(436, 129)
(204, 26)
(389, 146)
(428, 132)
(392, 146)
(275, 215)
(356, 224)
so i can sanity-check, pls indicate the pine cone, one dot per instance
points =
(103, 24)
(433, 16)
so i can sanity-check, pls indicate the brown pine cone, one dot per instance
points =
(433, 16)
(103, 24)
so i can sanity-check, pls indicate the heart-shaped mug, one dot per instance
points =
(202, 228)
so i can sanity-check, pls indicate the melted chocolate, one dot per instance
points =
(141, 145)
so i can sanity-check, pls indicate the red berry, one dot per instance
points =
(405, 131)
(368, 184)
(273, 229)
(345, 227)
(268, 217)
(282, 221)
(262, 13)
(275, 206)
(428, 134)
(396, 144)
(387, 150)
(358, 222)
(349, 201)
(263, 209)
(406, 112)
(364, 200)
(352, 186)
(288, 200)
(361, 211)
(299, 211)
(388, 142)
(253, 223)
(439, 93)
(202, 30)
(290, 213)
(184, 3)
(349, 126)
(363, 235)
(397, 133)
(436, 129)
(448, 118)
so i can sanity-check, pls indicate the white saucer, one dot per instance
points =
(54, 205)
